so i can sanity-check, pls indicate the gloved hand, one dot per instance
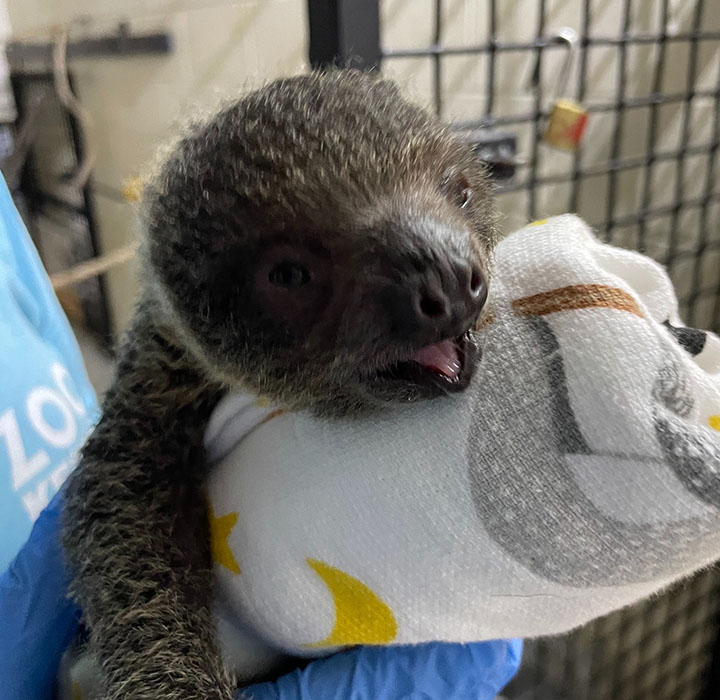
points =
(38, 621)
(434, 671)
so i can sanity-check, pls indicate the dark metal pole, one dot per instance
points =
(344, 33)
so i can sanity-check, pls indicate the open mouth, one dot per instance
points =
(447, 365)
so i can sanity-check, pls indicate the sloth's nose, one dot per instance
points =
(439, 302)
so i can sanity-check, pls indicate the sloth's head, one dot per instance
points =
(324, 242)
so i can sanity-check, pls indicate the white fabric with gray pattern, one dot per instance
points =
(579, 473)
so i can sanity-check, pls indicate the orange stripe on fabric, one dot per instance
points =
(578, 296)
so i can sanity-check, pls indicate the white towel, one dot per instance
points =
(579, 473)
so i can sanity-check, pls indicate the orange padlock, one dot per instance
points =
(566, 125)
(568, 119)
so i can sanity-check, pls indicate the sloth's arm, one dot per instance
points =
(135, 526)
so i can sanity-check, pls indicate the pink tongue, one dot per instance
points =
(441, 357)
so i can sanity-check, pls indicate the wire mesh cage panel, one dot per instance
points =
(647, 72)
(662, 649)
(646, 176)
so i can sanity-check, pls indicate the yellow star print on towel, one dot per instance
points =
(220, 528)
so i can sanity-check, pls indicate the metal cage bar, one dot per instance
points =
(344, 33)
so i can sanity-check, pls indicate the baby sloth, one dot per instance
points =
(321, 242)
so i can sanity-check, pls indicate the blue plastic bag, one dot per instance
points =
(47, 404)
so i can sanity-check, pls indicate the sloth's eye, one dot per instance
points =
(457, 189)
(288, 274)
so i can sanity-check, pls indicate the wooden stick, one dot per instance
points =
(94, 267)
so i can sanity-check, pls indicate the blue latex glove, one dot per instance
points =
(38, 621)
(433, 671)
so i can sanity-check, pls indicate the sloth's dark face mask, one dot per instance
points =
(379, 310)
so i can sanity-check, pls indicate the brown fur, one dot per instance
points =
(338, 168)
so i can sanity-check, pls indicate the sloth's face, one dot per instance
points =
(382, 307)
(337, 262)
